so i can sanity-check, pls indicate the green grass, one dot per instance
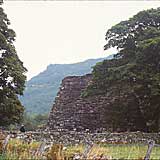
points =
(17, 149)
(116, 151)
(129, 151)
(2, 157)
(71, 150)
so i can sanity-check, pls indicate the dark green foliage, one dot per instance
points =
(133, 76)
(123, 114)
(12, 78)
(42, 89)
(128, 34)
(33, 122)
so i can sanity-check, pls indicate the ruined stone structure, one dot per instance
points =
(72, 112)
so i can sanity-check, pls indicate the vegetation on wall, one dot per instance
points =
(132, 78)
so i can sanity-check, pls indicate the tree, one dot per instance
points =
(34, 122)
(128, 34)
(135, 69)
(12, 78)
(138, 40)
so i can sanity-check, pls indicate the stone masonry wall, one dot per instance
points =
(72, 112)
(72, 137)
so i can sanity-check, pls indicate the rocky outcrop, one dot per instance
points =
(72, 112)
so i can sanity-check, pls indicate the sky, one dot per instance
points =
(52, 32)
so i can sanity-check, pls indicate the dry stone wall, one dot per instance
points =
(73, 138)
(72, 112)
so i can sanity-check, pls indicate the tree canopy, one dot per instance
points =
(12, 78)
(133, 76)
(128, 34)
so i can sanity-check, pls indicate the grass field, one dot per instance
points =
(17, 149)
(116, 151)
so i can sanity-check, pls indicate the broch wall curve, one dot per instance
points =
(72, 112)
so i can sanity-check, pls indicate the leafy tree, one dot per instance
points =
(134, 73)
(128, 34)
(35, 121)
(12, 78)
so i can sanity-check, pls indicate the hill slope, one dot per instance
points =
(41, 90)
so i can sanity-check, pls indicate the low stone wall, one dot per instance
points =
(72, 138)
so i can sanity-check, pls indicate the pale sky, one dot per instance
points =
(65, 32)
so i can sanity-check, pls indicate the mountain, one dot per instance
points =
(41, 90)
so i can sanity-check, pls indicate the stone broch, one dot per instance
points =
(72, 112)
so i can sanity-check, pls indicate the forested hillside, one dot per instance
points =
(41, 90)
(132, 78)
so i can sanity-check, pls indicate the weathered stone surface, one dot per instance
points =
(72, 137)
(72, 112)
